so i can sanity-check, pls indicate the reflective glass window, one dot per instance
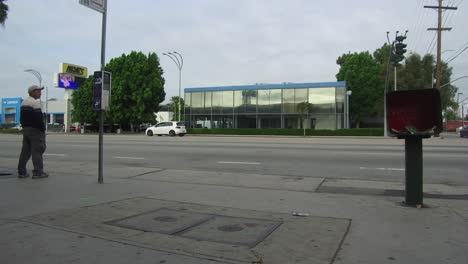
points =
(207, 102)
(216, 102)
(187, 101)
(228, 101)
(340, 99)
(245, 101)
(300, 95)
(288, 101)
(322, 99)
(198, 102)
(275, 101)
(263, 100)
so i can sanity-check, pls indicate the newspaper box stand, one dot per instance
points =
(413, 115)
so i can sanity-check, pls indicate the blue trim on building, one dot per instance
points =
(267, 86)
(7, 103)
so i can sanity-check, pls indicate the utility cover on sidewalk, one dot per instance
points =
(233, 230)
(164, 221)
(220, 233)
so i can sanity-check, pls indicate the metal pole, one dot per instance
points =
(413, 171)
(101, 111)
(180, 98)
(463, 116)
(395, 85)
(458, 105)
(439, 45)
(179, 64)
(47, 108)
(347, 110)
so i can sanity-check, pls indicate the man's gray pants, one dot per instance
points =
(34, 144)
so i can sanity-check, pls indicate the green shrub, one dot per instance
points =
(9, 131)
(288, 132)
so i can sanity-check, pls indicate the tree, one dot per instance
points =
(418, 73)
(362, 74)
(137, 88)
(82, 101)
(173, 106)
(303, 109)
(137, 91)
(3, 12)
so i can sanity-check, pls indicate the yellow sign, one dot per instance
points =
(75, 70)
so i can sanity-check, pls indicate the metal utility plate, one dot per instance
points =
(164, 221)
(232, 230)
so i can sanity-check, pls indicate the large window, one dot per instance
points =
(322, 100)
(267, 108)
(187, 101)
(300, 95)
(263, 101)
(340, 98)
(288, 101)
(245, 101)
(217, 101)
(198, 103)
(228, 102)
(269, 101)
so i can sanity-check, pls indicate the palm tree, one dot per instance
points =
(3, 12)
(174, 104)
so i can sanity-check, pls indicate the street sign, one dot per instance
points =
(97, 90)
(97, 5)
(101, 90)
(106, 91)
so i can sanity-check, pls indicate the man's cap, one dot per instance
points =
(34, 87)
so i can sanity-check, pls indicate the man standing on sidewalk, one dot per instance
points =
(34, 144)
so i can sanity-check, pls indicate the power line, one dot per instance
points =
(455, 56)
(417, 29)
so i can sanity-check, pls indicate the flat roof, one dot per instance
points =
(267, 86)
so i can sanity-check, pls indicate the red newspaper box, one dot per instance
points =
(414, 113)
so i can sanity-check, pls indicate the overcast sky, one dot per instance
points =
(223, 42)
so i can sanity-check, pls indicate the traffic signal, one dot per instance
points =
(398, 51)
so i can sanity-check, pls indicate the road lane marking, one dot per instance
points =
(239, 162)
(52, 154)
(134, 158)
(389, 169)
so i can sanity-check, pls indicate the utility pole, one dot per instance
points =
(439, 37)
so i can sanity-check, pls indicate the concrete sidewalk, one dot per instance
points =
(154, 215)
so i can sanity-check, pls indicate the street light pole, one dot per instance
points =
(458, 105)
(179, 61)
(39, 78)
(348, 94)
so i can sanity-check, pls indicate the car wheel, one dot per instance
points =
(172, 133)
(149, 133)
(181, 135)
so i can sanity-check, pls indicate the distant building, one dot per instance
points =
(266, 106)
(11, 111)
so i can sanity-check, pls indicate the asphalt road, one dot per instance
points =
(445, 160)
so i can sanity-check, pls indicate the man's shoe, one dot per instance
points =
(41, 175)
(23, 175)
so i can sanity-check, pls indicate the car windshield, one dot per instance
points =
(180, 124)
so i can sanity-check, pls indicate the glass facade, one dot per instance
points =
(266, 107)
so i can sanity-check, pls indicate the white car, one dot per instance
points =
(167, 128)
(458, 129)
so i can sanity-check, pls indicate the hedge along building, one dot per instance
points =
(266, 106)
